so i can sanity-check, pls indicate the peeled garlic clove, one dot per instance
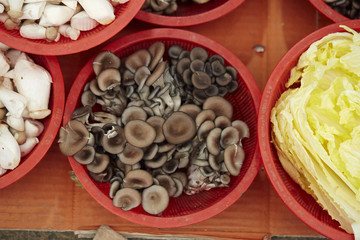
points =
(34, 83)
(29, 145)
(83, 22)
(67, 31)
(33, 11)
(33, 128)
(9, 149)
(4, 64)
(56, 15)
(100, 10)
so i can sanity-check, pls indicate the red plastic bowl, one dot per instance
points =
(330, 13)
(298, 201)
(191, 14)
(184, 210)
(51, 123)
(88, 39)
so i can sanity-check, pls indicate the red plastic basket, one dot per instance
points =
(184, 210)
(51, 123)
(327, 11)
(189, 15)
(88, 39)
(298, 201)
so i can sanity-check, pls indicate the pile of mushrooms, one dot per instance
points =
(166, 7)
(51, 19)
(24, 97)
(148, 138)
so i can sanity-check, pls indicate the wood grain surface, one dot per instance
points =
(47, 198)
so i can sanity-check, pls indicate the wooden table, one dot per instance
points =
(47, 198)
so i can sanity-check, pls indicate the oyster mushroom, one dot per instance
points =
(179, 187)
(151, 152)
(179, 128)
(198, 53)
(168, 183)
(105, 59)
(113, 141)
(131, 155)
(9, 149)
(133, 113)
(157, 51)
(138, 179)
(170, 166)
(200, 80)
(99, 164)
(213, 141)
(157, 123)
(73, 137)
(222, 122)
(219, 105)
(242, 128)
(234, 156)
(138, 59)
(86, 155)
(155, 199)
(108, 79)
(127, 199)
(203, 116)
(139, 133)
(229, 136)
(157, 162)
(191, 109)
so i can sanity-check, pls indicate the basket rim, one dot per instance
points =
(264, 130)
(50, 133)
(185, 21)
(154, 221)
(327, 11)
(76, 46)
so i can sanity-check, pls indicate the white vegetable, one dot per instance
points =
(15, 8)
(67, 31)
(33, 128)
(33, 11)
(32, 30)
(4, 64)
(100, 10)
(83, 22)
(9, 149)
(56, 15)
(29, 145)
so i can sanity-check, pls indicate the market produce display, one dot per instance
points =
(315, 126)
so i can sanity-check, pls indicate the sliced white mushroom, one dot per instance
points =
(9, 149)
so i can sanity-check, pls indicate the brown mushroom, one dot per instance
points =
(73, 137)
(222, 122)
(159, 70)
(200, 80)
(229, 136)
(204, 129)
(157, 123)
(183, 159)
(234, 156)
(127, 199)
(181, 176)
(219, 105)
(179, 187)
(217, 57)
(151, 152)
(170, 166)
(131, 155)
(232, 86)
(186, 77)
(157, 161)
(168, 183)
(100, 163)
(133, 113)
(157, 51)
(166, 147)
(213, 90)
(203, 116)
(242, 128)
(141, 75)
(137, 179)
(218, 68)
(191, 109)
(174, 51)
(88, 98)
(139, 133)
(138, 59)
(213, 141)
(105, 59)
(182, 65)
(108, 79)
(155, 199)
(198, 53)
(86, 155)
(197, 65)
(179, 128)
(224, 79)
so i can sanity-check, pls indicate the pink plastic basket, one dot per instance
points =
(327, 11)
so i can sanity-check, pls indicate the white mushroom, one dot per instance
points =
(29, 145)
(70, 3)
(4, 64)
(32, 30)
(2, 9)
(2, 171)
(33, 128)
(56, 15)
(33, 11)
(34, 83)
(15, 8)
(100, 10)
(83, 22)
(67, 31)
(9, 149)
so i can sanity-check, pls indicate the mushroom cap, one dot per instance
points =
(179, 128)
(170, 166)
(213, 90)
(157, 162)
(222, 122)
(105, 59)
(198, 53)
(114, 142)
(181, 176)
(166, 147)
(108, 79)
(155, 199)
(234, 156)
(229, 136)
(100, 163)
(88, 98)
(159, 70)
(151, 152)
(157, 123)
(197, 65)
(133, 113)
(191, 109)
(224, 79)
(174, 51)
(85, 155)
(232, 71)
(213, 141)
(157, 51)
(242, 128)
(138, 179)
(131, 155)
(168, 183)
(141, 75)
(203, 116)
(183, 159)
(139, 58)
(232, 86)
(200, 80)
(218, 68)
(186, 77)
(182, 65)
(80, 112)
(73, 137)
(104, 176)
(219, 105)
(179, 187)
(217, 57)
(204, 129)
(139, 133)
(127, 198)
(94, 88)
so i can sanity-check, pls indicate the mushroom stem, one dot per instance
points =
(33, 11)
(9, 149)
(33, 128)
(34, 83)
(29, 145)
(4, 64)
(100, 10)
(56, 15)
(32, 30)
(67, 31)
(15, 8)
